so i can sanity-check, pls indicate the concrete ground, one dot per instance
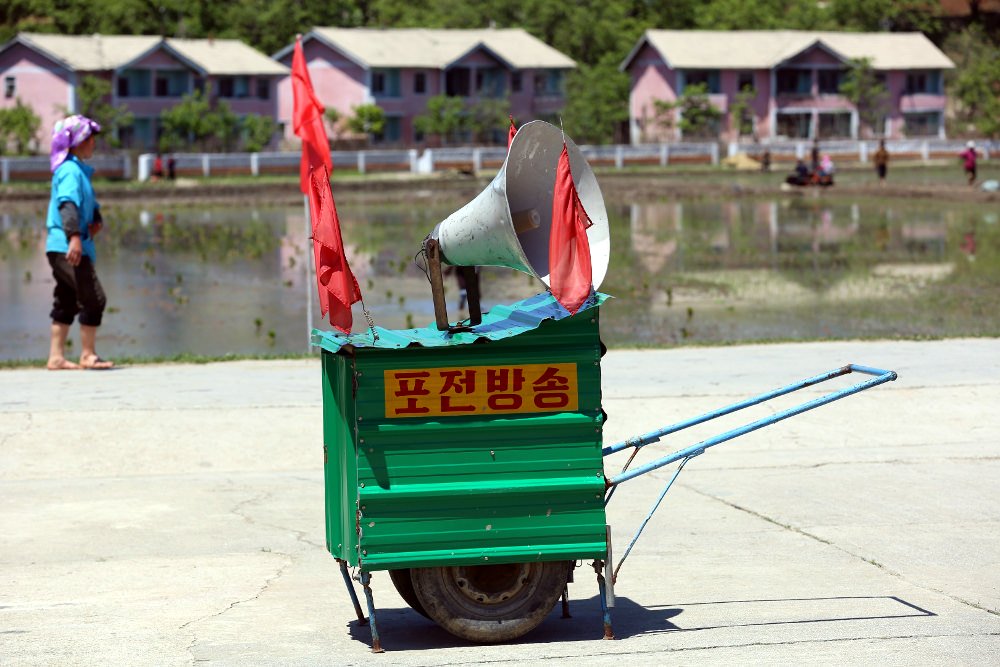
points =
(167, 515)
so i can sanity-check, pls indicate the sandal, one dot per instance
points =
(62, 365)
(95, 363)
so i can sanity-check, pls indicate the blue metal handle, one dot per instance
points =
(881, 377)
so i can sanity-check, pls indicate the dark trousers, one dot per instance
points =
(77, 291)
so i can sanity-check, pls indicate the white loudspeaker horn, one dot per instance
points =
(509, 222)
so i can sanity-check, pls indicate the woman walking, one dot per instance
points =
(74, 218)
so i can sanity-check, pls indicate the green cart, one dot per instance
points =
(468, 465)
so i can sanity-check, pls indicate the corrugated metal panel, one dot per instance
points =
(502, 321)
(340, 466)
(478, 488)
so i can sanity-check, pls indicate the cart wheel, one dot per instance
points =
(490, 603)
(404, 586)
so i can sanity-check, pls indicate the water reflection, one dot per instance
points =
(214, 280)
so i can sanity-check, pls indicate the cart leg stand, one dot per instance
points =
(607, 602)
(354, 596)
(565, 603)
(366, 579)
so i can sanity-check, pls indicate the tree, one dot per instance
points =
(226, 126)
(974, 84)
(333, 117)
(257, 132)
(698, 117)
(368, 119)
(488, 120)
(93, 94)
(596, 102)
(881, 15)
(760, 15)
(869, 96)
(444, 118)
(19, 123)
(741, 111)
(193, 122)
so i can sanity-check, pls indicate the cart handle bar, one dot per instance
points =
(881, 377)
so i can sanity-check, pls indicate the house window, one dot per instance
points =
(549, 82)
(515, 82)
(137, 135)
(199, 84)
(419, 83)
(9, 87)
(489, 82)
(710, 129)
(135, 83)
(391, 130)
(923, 82)
(170, 83)
(794, 81)
(922, 124)
(234, 86)
(707, 77)
(456, 82)
(835, 125)
(263, 89)
(829, 81)
(385, 82)
(744, 81)
(794, 125)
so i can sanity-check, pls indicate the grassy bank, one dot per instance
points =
(939, 179)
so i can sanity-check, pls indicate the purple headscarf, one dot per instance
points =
(67, 133)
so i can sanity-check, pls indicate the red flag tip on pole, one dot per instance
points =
(570, 270)
(338, 288)
(307, 120)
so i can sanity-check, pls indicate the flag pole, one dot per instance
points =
(308, 266)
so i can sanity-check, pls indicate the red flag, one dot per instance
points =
(338, 288)
(570, 271)
(511, 132)
(307, 120)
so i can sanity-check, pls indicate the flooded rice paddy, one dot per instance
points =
(214, 280)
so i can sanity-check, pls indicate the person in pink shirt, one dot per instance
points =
(969, 161)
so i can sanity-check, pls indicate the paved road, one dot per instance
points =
(173, 514)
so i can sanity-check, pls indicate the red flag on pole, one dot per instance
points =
(307, 120)
(338, 288)
(511, 132)
(570, 271)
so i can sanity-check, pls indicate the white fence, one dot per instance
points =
(37, 168)
(475, 159)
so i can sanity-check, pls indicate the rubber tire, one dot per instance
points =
(404, 586)
(449, 607)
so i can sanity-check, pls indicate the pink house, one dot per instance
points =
(793, 78)
(147, 75)
(400, 69)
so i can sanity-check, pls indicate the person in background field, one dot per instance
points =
(800, 176)
(73, 219)
(158, 167)
(826, 170)
(969, 161)
(814, 158)
(171, 168)
(881, 162)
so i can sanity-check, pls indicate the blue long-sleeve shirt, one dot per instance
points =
(71, 183)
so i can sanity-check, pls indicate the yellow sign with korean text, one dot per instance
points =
(480, 390)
